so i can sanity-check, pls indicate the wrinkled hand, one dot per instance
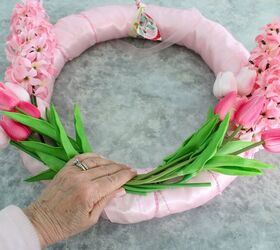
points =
(75, 199)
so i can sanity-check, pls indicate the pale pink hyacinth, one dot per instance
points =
(30, 48)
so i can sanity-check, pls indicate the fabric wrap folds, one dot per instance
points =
(217, 47)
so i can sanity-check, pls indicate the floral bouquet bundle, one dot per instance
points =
(245, 119)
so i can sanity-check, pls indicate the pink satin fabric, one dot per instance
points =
(217, 47)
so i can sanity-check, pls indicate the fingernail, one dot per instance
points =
(121, 192)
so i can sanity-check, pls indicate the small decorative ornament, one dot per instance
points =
(144, 26)
(246, 119)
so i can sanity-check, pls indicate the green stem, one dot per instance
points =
(160, 168)
(257, 144)
(159, 175)
(234, 133)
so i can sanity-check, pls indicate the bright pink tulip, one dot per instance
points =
(15, 130)
(249, 112)
(271, 140)
(226, 104)
(8, 100)
(29, 109)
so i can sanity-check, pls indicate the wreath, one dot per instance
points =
(245, 119)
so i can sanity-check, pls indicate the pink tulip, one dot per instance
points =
(8, 100)
(29, 109)
(226, 105)
(15, 130)
(245, 81)
(271, 139)
(19, 91)
(249, 112)
(225, 83)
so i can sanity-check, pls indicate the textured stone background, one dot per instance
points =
(138, 118)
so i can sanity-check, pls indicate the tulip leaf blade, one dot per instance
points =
(44, 175)
(195, 140)
(36, 146)
(38, 125)
(235, 161)
(209, 151)
(234, 146)
(81, 136)
(50, 115)
(51, 161)
(237, 171)
(63, 137)
(25, 150)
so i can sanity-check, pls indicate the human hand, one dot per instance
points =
(74, 200)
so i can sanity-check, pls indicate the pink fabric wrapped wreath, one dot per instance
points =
(217, 47)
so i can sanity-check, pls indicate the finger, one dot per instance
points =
(93, 162)
(107, 184)
(82, 157)
(99, 207)
(105, 170)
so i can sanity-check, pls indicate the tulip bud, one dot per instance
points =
(19, 91)
(271, 139)
(15, 130)
(245, 81)
(225, 83)
(249, 112)
(29, 109)
(226, 105)
(8, 100)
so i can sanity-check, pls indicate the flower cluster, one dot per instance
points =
(9, 101)
(253, 96)
(30, 48)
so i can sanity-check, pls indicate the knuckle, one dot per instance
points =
(112, 178)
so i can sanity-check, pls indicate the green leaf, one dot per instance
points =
(45, 175)
(237, 171)
(63, 137)
(52, 162)
(81, 136)
(233, 146)
(50, 115)
(234, 160)
(209, 151)
(25, 150)
(38, 125)
(198, 138)
(36, 146)
(211, 113)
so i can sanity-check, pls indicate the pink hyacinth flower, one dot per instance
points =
(15, 130)
(271, 140)
(8, 100)
(249, 112)
(226, 105)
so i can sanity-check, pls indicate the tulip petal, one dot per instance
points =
(245, 81)
(19, 91)
(224, 84)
